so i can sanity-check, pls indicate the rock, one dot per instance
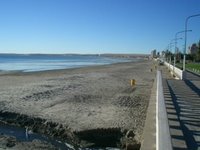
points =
(132, 146)
(11, 142)
(130, 134)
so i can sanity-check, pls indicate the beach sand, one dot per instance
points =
(98, 97)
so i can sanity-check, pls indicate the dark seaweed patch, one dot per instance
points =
(109, 137)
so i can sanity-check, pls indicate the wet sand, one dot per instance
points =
(82, 99)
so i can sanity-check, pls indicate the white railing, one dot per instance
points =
(174, 70)
(163, 138)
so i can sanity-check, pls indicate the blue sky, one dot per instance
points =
(94, 26)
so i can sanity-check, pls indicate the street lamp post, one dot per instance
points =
(169, 48)
(186, 21)
(175, 51)
(176, 43)
(175, 46)
(169, 53)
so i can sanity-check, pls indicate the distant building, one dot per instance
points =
(163, 53)
(158, 54)
(193, 49)
(153, 54)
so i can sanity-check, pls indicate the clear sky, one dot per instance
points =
(94, 26)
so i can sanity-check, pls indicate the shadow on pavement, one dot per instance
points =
(183, 109)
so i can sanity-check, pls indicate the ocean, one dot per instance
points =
(42, 62)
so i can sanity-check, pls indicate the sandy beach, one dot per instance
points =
(80, 100)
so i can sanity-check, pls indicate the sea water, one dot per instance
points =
(41, 62)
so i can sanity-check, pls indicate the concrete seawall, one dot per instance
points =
(163, 138)
(156, 134)
(149, 134)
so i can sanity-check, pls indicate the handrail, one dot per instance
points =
(163, 138)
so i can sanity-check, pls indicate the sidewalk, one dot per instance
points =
(182, 98)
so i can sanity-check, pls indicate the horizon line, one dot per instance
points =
(76, 53)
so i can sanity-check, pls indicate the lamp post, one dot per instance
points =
(186, 21)
(169, 53)
(169, 48)
(175, 50)
(176, 43)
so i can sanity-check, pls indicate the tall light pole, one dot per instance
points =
(169, 49)
(186, 21)
(176, 43)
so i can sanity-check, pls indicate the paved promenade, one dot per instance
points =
(182, 99)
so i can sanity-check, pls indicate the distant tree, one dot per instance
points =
(198, 52)
(179, 57)
(168, 55)
(194, 52)
(189, 57)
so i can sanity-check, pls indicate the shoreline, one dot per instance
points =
(87, 100)
(23, 72)
(59, 62)
(62, 71)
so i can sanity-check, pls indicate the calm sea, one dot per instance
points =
(30, 63)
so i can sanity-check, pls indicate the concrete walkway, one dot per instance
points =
(182, 98)
(182, 101)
